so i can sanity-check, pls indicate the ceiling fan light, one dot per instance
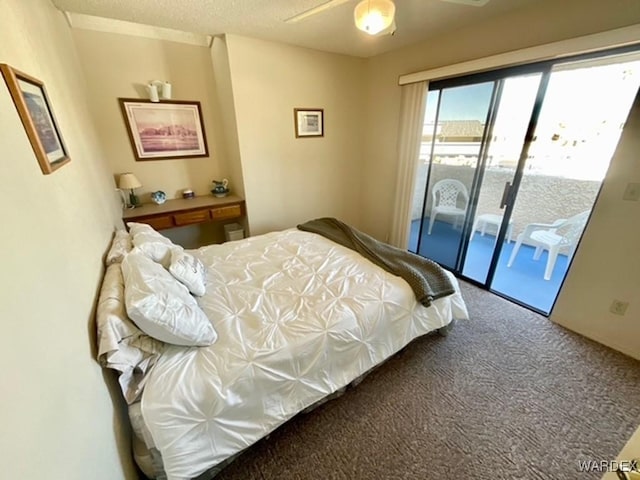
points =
(374, 16)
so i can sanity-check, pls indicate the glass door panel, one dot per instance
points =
(584, 110)
(455, 134)
(515, 103)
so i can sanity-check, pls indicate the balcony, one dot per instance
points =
(523, 281)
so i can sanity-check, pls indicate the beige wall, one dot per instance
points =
(289, 180)
(224, 91)
(57, 416)
(119, 66)
(545, 22)
(607, 263)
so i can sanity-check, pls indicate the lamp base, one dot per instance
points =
(134, 201)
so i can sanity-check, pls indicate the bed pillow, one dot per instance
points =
(120, 246)
(161, 306)
(121, 344)
(188, 270)
(153, 244)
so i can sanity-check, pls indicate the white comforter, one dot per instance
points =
(297, 317)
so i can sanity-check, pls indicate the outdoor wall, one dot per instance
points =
(541, 198)
(290, 180)
(120, 66)
(59, 420)
(543, 22)
(607, 264)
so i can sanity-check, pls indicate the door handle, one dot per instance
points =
(505, 194)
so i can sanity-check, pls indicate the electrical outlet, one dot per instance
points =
(632, 192)
(618, 307)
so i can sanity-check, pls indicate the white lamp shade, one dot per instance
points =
(128, 181)
(374, 16)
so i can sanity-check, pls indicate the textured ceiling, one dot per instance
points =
(331, 30)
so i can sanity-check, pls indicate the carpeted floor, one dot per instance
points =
(508, 395)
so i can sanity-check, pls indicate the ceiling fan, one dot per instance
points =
(371, 16)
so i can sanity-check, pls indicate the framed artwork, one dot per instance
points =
(33, 105)
(166, 130)
(309, 122)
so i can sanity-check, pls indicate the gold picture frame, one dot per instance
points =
(34, 108)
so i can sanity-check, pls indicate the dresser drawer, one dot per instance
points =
(179, 212)
(188, 218)
(223, 213)
(158, 222)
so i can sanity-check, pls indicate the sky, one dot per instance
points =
(461, 103)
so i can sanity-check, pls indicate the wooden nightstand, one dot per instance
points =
(182, 212)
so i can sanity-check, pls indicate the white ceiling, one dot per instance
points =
(332, 30)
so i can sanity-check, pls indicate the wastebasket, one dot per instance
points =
(233, 231)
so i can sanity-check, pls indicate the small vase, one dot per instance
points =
(159, 197)
(220, 188)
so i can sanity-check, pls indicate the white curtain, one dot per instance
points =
(412, 109)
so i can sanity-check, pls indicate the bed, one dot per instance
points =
(297, 318)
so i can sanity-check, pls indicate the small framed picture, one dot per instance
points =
(309, 122)
(31, 101)
(165, 130)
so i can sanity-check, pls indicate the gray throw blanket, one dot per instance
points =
(427, 279)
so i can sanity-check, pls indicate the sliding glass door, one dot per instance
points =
(472, 141)
(494, 189)
(510, 167)
(585, 106)
(453, 132)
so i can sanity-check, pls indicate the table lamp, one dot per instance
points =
(128, 181)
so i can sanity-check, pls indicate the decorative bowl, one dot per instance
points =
(159, 197)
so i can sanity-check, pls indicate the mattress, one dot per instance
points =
(298, 317)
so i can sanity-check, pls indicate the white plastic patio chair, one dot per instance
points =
(563, 234)
(445, 195)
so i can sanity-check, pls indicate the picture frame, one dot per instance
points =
(309, 122)
(167, 130)
(34, 108)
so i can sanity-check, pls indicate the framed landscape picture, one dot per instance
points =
(31, 101)
(309, 122)
(165, 130)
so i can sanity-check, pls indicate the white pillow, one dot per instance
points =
(188, 270)
(121, 344)
(153, 244)
(161, 306)
(120, 246)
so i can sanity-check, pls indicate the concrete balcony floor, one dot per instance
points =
(524, 281)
